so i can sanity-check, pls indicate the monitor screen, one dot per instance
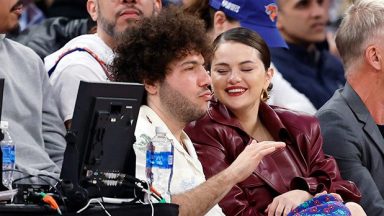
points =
(99, 153)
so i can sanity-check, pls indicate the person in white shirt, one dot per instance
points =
(167, 54)
(87, 57)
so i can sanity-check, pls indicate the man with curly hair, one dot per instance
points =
(87, 57)
(167, 54)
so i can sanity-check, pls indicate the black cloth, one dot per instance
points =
(381, 128)
(73, 9)
(160, 209)
(52, 34)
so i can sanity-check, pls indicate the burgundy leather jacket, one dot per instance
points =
(219, 139)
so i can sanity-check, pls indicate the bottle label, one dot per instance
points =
(8, 154)
(163, 160)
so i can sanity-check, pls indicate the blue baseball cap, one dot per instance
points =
(257, 15)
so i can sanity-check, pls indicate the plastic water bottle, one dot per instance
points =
(159, 163)
(8, 149)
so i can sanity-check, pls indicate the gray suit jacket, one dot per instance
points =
(353, 138)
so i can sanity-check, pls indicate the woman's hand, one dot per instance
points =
(284, 203)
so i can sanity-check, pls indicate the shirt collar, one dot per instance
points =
(2, 36)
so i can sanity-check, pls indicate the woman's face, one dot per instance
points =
(238, 76)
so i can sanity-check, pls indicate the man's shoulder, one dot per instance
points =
(90, 49)
(19, 49)
(336, 104)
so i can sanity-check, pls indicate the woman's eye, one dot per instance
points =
(246, 69)
(220, 71)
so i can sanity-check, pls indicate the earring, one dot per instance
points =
(264, 95)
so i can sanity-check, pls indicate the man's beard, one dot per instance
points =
(110, 27)
(178, 105)
(14, 31)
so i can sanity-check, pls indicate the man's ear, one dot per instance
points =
(151, 88)
(158, 6)
(219, 23)
(374, 57)
(92, 8)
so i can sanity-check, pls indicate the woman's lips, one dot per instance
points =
(235, 90)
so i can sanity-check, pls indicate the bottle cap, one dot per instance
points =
(160, 130)
(4, 124)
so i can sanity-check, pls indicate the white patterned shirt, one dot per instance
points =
(187, 170)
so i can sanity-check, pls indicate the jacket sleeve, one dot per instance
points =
(338, 133)
(53, 126)
(323, 170)
(217, 148)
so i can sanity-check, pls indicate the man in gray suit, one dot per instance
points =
(352, 121)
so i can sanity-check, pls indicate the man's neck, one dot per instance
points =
(107, 39)
(368, 92)
(176, 127)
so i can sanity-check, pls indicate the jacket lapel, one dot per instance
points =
(360, 110)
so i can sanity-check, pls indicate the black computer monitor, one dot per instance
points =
(99, 153)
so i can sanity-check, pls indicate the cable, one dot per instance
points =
(92, 201)
(51, 202)
(40, 176)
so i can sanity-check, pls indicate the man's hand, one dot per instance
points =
(250, 158)
(283, 204)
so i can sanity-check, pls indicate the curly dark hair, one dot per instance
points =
(146, 50)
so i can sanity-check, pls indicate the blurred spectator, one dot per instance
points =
(307, 64)
(31, 15)
(69, 19)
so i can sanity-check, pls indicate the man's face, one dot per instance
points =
(10, 12)
(303, 21)
(115, 16)
(184, 92)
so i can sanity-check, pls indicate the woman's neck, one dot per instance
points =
(251, 124)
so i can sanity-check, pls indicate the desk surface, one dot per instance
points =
(160, 209)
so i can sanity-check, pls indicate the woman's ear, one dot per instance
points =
(269, 75)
